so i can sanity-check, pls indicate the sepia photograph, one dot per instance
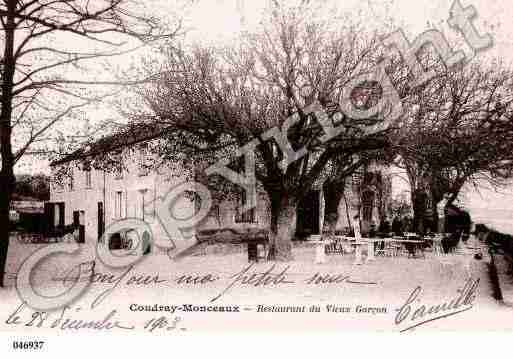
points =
(284, 167)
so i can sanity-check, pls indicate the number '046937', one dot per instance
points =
(28, 345)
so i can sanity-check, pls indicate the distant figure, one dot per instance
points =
(397, 226)
(146, 243)
(407, 224)
(384, 227)
(358, 237)
(76, 234)
(372, 231)
(356, 226)
(68, 238)
(383, 232)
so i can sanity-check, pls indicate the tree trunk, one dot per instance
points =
(4, 229)
(283, 226)
(348, 217)
(419, 210)
(434, 210)
(437, 196)
(7, 180)
(333, 194)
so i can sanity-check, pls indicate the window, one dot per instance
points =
(357, 178)
(244, 216)
(62, 213)
(57, 185)
(144, 160)
(215, 214)
(118, 165)
(118, 204)
(70, 183)
(59, 214)
(88, 178)
(142, 204)
(274, 147)
(118, 170)
(368, 204)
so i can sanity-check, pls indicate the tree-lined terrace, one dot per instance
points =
(220, 100)
(457, 130)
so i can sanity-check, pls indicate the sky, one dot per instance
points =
(218, 21)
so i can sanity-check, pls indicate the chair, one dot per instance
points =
(380, 251)
(437, 245)
(330, 247)
(449, 243)
(447, 266)
(410, 249)
(422, 248)
(339, 245)
(395, 249)
(334, 246)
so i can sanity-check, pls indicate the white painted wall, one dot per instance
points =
(104, 188)
(105, 185)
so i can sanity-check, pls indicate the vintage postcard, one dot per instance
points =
(233, 166)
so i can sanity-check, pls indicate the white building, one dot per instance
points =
(96, 198)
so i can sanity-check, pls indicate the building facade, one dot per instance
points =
(93, 199)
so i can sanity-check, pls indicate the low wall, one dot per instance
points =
(501, 265)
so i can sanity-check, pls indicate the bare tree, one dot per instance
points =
(43, 81)
(335, 184)
(222, 99)
(458, 131)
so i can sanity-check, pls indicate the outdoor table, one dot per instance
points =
(253, 244)
(358, 251)
(417, 244)
(357, 244)
(370, 250)
(437, 245)
(320, 251)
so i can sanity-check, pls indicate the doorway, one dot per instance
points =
(101, 221)
(308, 213)
(78, 222)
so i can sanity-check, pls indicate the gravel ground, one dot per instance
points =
(373, 292)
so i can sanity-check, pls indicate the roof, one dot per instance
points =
(19, 197)
(130, 136)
